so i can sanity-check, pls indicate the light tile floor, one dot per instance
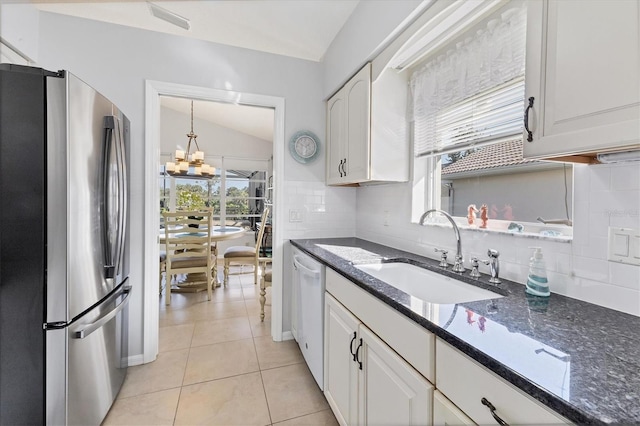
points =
(217, 365)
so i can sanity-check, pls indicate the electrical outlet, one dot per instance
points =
(295, 215)
(624, 245)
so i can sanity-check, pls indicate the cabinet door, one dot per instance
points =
(340, 370)
(583, 63)
(447, 414)
(336, 137)
(358, 96)
(390, 390)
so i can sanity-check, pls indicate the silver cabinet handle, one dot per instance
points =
(104, 319)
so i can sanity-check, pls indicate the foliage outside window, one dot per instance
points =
(466, 110)
(235, 196)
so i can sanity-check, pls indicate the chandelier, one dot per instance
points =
(187, 163)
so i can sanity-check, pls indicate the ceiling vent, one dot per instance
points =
(167, 15)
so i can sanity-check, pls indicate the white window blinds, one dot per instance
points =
(474, 94)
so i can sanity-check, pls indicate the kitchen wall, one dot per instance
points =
(117, 60)
(604, 195)
(213, 139)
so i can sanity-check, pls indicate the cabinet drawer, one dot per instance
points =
(465, 383)
(411, 341)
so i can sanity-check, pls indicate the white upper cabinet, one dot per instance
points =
(583, 71)
(336, 137)
(358, 122)
(366, 130)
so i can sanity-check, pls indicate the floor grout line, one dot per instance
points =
(242, 283)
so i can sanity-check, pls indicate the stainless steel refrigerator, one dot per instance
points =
(64, 288)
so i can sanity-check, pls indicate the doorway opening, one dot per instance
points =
(229, 190)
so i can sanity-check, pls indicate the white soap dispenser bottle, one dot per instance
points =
(537, 283)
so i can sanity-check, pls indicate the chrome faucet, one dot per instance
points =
(494, 265)
(457, 266)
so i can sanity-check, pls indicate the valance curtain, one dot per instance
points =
(474, 92)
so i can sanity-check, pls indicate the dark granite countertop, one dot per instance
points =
(581, 360)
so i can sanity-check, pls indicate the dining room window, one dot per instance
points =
(237, 197)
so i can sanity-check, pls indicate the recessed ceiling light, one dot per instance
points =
(167, 15)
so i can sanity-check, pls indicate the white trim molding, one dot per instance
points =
(153, 91)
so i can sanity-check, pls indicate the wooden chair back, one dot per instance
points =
(188, 247)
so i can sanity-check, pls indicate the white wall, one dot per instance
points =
(604, 195)
(117, 60)
(213, 139)
(369, 27)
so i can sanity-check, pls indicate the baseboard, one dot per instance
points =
(287, 335)
(135, 360)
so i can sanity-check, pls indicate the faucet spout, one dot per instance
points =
(458, 266)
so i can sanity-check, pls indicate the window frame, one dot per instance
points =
(220, 178)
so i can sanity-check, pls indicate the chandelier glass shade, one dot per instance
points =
(188, 163)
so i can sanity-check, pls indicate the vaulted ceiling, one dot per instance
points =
(302, 29)
(297, 28)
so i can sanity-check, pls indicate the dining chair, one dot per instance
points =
(163, 268)
(188, 249)
(264, 283)
(243, 255)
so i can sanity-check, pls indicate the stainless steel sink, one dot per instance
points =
(426, 285)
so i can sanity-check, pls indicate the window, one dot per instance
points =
(237, 197)
(466, 110)
(244, 196)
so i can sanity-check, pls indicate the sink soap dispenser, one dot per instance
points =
(537, 283)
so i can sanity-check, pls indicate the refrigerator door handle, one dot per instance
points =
(122, 191)
(81, 334)
(110, 239)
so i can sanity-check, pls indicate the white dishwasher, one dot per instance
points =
(308, 311)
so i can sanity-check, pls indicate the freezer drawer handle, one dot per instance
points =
(105, 319)
(296, 262)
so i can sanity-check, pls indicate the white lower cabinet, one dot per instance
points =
(445, 413)
(366, 382)
(380, 368)
(340, 370)
(483, 396)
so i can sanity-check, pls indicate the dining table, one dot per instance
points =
(218, 233)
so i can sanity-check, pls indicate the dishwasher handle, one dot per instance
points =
(297, 264)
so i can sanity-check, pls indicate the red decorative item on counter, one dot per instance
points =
(484, 216)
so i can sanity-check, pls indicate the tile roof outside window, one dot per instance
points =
(508, 153)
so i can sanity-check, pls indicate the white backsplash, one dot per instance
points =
(604, 195)
(322, 210)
